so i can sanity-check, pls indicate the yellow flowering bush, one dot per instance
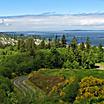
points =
(91, 81)
(62, 93)
(60, 86)
(64, 90)
(90, 88)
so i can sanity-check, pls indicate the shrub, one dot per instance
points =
(91, 90)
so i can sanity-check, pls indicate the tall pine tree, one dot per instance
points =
(63, 41)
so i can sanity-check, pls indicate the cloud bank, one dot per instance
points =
(52, 22)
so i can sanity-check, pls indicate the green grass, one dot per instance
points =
(18, 92)
(75, 72)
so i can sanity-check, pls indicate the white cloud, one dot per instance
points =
(52, 22)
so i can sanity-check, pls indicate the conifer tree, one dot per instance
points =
(88, 45)
(82, 46)
(73, 44)
(57, 42)
(63, 41)
(42, 44)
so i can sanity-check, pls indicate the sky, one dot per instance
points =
(21, 7)
(35, 7)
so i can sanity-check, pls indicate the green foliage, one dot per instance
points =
(82, 46)
(71, 65)
(100, 54)
(21, 45)
(77, 84)
(88, 45)
(5, 88)
(91, 90)
(63, 41)
(57, 42)
(42, 44)
(74, 57)
(71, 91)
(41, 59)
(74, 44)
(55, 59)
(5, 84)
(18, 64)
(49, 44)
(26, 56)
(67, 64)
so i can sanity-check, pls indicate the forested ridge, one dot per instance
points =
(21, 55)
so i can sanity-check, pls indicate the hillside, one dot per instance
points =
(75, 86)
(50, 72)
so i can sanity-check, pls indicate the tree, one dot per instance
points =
(42, 44)
(82, 46)
(1, 45)
(63, 41)
(57, 42)
(100, 53)
(55, 59)
(88, 44)
(21, 45)
(73, 44)
(30, 46)
(49, 43)
(100, 47)
(67, 64)
(5, 88)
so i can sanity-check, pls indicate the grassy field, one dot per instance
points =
(75, 72)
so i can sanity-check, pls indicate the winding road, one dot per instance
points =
(23, 86)
(21, 83)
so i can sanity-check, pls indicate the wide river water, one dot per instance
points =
(96, 37)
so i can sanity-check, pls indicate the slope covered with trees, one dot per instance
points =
(23, 54)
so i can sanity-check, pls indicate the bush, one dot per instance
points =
(91, 90)
(67, 64)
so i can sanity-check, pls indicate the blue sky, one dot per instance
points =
(20, 7)
(33, 22)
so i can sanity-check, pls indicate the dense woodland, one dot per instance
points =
(26, 56)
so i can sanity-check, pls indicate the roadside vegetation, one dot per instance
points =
(65, 66)
(76, 86)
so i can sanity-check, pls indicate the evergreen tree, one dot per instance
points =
(73, 44)
(30, 46)
(1, 45)
(55, 59)
(63, 41)
(49, 43)
(88, 45)
(100, 54)
(82, 46)
(42, 44)
(100, 47)
(21, 45)
(57, 42)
